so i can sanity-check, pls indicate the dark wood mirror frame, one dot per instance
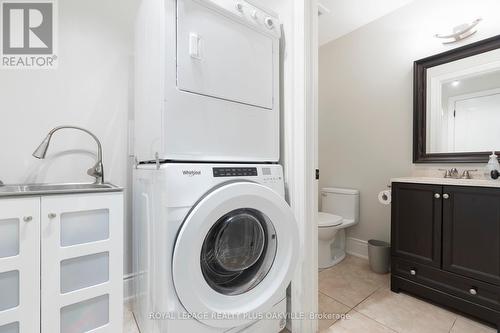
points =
(420, 67)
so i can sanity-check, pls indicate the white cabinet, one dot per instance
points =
(69, 266)
(20, 265)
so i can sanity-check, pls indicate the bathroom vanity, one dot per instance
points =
(61, 263)
(446, 243)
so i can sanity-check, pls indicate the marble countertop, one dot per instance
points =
(448, 181)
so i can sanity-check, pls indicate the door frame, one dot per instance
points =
(300, 160)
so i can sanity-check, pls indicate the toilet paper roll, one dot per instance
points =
(384, 197)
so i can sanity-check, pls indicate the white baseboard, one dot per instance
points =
(357, 247)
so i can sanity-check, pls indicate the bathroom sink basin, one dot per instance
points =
(38, 189)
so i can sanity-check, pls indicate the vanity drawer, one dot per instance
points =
(469, 289)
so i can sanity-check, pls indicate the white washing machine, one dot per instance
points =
(215, 247)
(207, 78)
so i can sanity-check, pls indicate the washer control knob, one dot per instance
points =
(255, 15)
(239, 7)
(269, 23)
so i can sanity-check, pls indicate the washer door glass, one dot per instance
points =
(238, 251)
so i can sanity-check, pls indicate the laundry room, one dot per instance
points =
(249, 166)
(102, 179)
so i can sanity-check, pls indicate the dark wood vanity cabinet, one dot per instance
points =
(471, 232)
(446, 246)
(417, 234)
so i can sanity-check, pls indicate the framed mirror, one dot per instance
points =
(457, 104)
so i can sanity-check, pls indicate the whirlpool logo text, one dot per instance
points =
(191, 173)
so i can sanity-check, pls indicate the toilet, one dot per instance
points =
(339, 210)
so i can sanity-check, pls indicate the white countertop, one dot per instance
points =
(448, 181)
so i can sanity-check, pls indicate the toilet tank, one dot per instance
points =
(340, 201)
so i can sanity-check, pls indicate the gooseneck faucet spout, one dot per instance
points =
(97, 171)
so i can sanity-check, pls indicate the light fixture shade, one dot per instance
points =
(41, 151)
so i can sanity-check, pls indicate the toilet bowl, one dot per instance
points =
(340, 209)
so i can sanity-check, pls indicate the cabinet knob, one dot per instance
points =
(413, 272)
(473, 291)
(52, 215)
(437, 195)
(27, 218)
(446, 196)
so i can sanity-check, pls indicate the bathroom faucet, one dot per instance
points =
(97, 171)
(451, 173)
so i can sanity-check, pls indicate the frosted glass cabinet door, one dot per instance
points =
(82, 256)
(19, 265)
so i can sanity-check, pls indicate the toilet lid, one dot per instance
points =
(328, 220)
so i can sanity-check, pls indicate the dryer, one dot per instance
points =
(215, 247)
(207, 78)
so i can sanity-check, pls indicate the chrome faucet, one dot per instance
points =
(453, 173)
(97, 171)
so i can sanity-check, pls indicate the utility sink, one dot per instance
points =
(38, 189)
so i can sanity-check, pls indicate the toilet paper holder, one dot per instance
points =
(384, 197)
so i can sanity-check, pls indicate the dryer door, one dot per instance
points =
(234, 254)
(222, 55)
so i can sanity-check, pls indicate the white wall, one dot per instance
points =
(365, 120)
(91, 88)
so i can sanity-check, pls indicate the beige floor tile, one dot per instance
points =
(465, 325)
(351, 281)
(330, 311)
(356, 322)
(406, 314)
(129, 325)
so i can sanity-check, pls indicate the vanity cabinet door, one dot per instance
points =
(416, 223)
(471, 232)
(82, 256)
(20, 265)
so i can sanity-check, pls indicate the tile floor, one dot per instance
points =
(129, 324)
(356, 300)
(361, 301)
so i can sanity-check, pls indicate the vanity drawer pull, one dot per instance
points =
(473, 291)
(437, 195)
(52, 215)
(446, 196)
(27, 218)
(413, 272)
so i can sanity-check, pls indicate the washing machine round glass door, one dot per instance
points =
(235, 254)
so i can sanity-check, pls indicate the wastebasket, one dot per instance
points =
(379, 256)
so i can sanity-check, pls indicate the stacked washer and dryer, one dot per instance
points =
(215, 243)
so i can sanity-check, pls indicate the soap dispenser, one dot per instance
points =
(492, 165)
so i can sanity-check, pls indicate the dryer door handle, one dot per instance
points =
(195, 45)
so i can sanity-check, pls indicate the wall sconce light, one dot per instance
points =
(460, 32)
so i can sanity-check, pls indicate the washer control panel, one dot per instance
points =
(234, 172)
(270, 175)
